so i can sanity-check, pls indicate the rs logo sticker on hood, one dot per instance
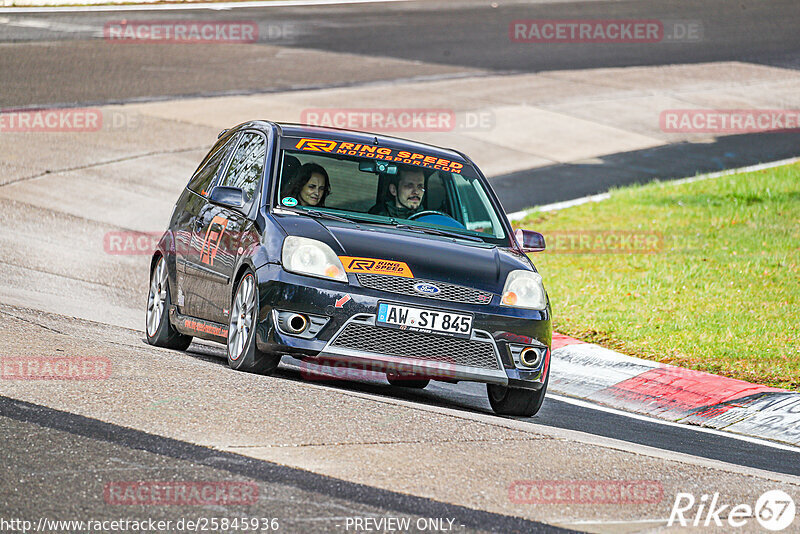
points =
(375, 266)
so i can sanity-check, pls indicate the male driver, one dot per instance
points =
(405, 195)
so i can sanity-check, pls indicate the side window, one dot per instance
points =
(201, 181)
(247, 164)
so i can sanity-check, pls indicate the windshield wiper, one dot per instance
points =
(331, 216)
(323, 215)
(434, 231)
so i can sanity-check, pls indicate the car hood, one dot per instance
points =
(430, 257)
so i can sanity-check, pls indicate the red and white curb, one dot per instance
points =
(600, 375)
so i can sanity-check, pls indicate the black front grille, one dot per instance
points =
(417, 345)
(405, 286)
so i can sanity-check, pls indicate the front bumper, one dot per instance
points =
(348, 335)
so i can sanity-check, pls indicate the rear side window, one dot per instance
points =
(201, 181)
(247, 164)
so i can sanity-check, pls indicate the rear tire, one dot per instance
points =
(514, 401)
(414, 383)
(243, 354)
(158, 329)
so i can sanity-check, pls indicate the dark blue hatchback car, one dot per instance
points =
(351, 249)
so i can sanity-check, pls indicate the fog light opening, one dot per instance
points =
(297, 323)
(530, 357)
(293, 323)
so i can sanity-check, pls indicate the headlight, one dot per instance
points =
(308, 256)
(524, 289)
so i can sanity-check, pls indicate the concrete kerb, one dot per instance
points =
(590, 372)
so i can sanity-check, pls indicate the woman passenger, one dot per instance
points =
(310, 185)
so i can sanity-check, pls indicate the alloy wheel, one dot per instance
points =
(156, 300)
(241, 318)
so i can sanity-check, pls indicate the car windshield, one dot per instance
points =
(379, 185)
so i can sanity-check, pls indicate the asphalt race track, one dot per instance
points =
(429, 38)
(321, 452)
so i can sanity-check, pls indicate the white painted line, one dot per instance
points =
(612, 522)
(704, 430)
(190, 6)
(52, 26)
(751, 168)
(558, 205)
(517, 215)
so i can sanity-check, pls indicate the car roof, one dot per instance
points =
(322, 132)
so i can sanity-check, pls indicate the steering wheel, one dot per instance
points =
(437, 217)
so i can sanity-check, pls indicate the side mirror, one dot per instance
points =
(230, 197)
(529, 241)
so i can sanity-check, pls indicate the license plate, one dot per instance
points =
(424, 320)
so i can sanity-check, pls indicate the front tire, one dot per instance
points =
(514, 401)
(243, 355)
(158, 329)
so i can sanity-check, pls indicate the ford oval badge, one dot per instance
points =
(426, 289)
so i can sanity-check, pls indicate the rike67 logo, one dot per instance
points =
(774, 511)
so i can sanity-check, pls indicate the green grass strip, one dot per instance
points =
(704, 275)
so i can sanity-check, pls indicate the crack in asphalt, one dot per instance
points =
(102, 163)
(289, 89)
(61, 275)
(34, 323)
